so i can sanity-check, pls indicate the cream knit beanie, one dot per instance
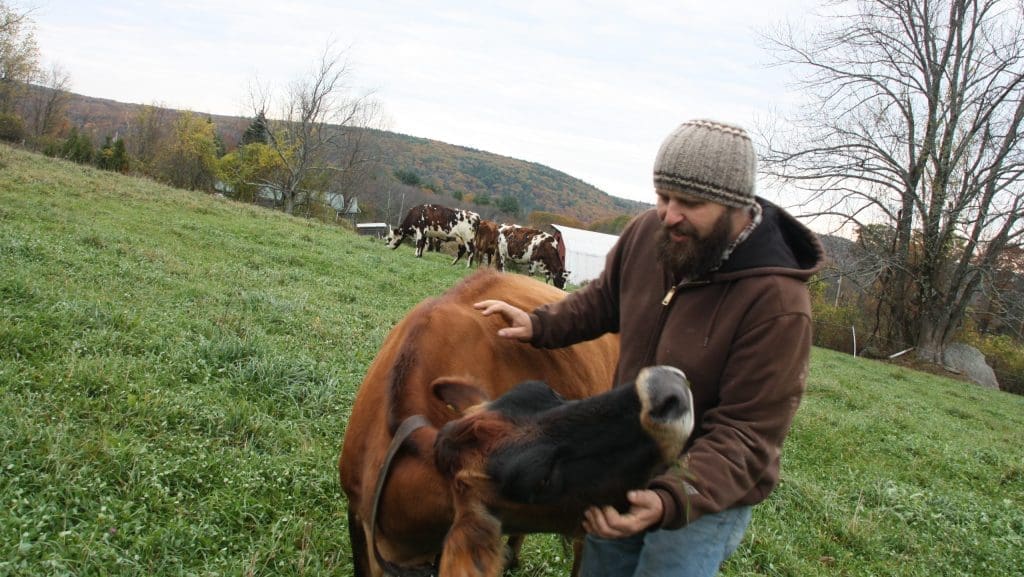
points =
(709, 159)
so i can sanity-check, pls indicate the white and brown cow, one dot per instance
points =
(433, 221)
(541, 251)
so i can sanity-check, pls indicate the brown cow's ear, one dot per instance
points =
(457, 394)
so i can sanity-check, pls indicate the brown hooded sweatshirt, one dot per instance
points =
(742, 336)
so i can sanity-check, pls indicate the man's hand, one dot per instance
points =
(520, 327)
(645, 510)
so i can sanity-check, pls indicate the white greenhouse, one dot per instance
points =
(585, 252)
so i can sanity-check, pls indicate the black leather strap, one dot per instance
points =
(407, 428)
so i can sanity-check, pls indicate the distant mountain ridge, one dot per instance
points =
(453, 172)
(534, 185)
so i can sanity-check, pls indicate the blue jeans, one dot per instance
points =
(696, 550)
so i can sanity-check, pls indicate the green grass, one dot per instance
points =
(176, 372)
(893, 472)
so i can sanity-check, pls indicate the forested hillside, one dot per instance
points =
(419, 170)
(465, 171)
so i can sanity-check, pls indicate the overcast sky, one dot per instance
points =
(589, 88)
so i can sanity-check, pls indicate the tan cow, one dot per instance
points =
(457, 436)
(487, 241)
(444, 340)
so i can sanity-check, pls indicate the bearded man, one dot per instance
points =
(712, 281)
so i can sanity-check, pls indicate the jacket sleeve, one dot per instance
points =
(588, 312)
(742, 436)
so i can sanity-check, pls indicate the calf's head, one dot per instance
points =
(546, 257)
(531, 461)
(560, 279)
(394, 238)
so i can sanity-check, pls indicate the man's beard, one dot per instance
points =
(696, 256)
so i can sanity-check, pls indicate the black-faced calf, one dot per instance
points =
(532, 462)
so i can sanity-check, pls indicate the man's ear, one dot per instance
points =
(458, 394)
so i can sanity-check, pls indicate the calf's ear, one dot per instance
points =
(458, 394)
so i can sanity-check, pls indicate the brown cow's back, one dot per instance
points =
(445, 338)
(487, 241)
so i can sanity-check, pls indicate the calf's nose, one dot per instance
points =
(668, 391)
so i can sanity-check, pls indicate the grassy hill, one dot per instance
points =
(177, 370)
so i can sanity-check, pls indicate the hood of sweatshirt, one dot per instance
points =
(779, 245)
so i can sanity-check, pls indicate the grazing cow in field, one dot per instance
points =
(443, 340)
(560, 242)
(532, 462)
(487, 241)
(538, 249)
(433, 221)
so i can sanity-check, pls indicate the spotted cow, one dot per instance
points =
(419, 495)
(433, 221)
(539, 250)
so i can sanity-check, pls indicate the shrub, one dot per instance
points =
(508, 205)
(48, 145)
(12, 129)
(77, 147)
(408, 177)
(1005, 355)
(834, 325)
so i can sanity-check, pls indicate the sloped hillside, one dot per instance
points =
(534, 186)
(452, 171)
(177, 369)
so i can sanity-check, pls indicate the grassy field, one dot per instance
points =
(176, 372)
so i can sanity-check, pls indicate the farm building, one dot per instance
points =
(585, 252)
(377, 229)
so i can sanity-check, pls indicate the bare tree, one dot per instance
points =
(913, 121)
(19, 56)
(48, 103)
(149, 130)
(318, 117)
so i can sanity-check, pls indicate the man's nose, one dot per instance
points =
(673, 214)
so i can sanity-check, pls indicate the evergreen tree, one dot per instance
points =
(77, 147)
(218, 142)
(257, 131)
(509, 205)
(113, 156)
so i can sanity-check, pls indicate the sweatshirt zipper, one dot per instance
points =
(652, 347)
(668, 296)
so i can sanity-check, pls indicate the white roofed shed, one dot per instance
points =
(585, 252)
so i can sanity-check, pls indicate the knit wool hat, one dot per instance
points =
(709, 159)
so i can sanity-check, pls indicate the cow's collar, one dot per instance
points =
(406, 429)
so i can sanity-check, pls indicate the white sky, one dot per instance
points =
(589, 88)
